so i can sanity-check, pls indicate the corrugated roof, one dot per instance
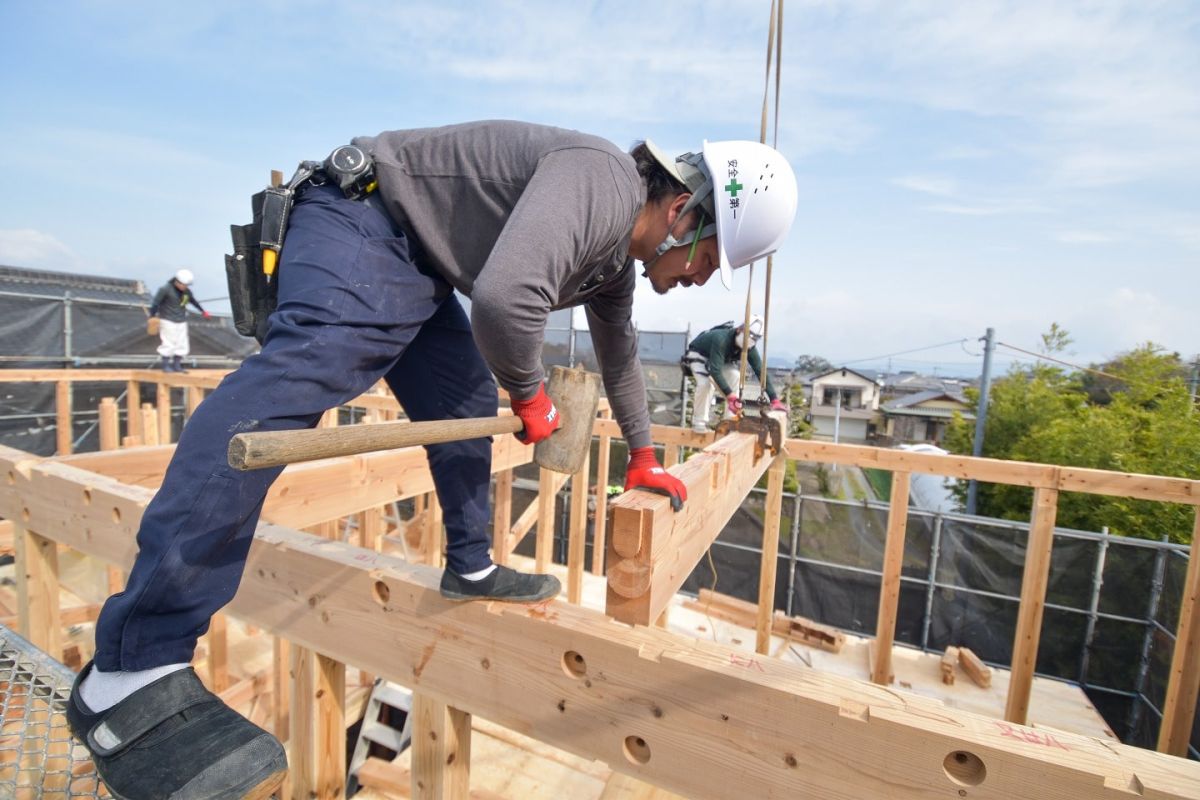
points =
(46, 283)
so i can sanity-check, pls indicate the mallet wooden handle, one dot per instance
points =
(275, 448)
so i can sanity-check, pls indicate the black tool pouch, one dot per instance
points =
(251, 295)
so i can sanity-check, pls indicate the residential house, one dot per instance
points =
(922, 417)
(844, 405)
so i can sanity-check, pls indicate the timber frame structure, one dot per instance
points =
(697, 718)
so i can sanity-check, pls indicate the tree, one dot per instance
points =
(808, 364)
(1144, 425)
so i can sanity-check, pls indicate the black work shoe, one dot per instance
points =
(502, 584)
(175, 740)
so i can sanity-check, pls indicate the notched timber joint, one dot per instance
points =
(766, 430)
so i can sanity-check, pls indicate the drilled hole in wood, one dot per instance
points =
(87, 497)
(381, 593)
(965, 769)
(636, 750)
(11, 478)
(573, 664)
(116, 515)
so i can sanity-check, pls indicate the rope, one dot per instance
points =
(774, 46)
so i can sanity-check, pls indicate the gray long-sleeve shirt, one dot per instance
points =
(526, 219)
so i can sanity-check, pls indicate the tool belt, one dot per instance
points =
(253, 290)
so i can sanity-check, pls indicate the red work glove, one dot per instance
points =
(777, 405)
(206, 315)
(644, 472)
(539, 415)
(733, 404)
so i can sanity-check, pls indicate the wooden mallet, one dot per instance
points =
(575, 392)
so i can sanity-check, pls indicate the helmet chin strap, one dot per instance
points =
(701, 232)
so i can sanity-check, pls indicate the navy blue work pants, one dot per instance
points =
(353, 308)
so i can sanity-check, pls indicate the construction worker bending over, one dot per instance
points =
(714, 358)
(170, 306)
(524, 219)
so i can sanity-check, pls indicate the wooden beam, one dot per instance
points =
(652, 549)
(889, 591)
(441, 757)
(1033, 604)
(501, 515)
(948, 664)
(770, 555)
(697, 718)
(600, 518)
(577, 531)
(976, 670)
(1183, 686)
(37, 590)
(149, 426)
(62, 415)
(109, 423)
(992, 470)
(659, 434)
(318, 719)
(162, 403)
(547, 495)
(741, 612)
(529, 516)
(133, 408)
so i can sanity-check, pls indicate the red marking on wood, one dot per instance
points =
(1030, 736)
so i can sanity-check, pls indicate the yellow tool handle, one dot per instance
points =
(269, 259)
(276, 448)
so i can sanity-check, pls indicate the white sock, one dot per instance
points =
(103, 690)
(478, 575)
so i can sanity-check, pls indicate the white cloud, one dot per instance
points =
(36, 250)
(928, 184)
(1084, 237)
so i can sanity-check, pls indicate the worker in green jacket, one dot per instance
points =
(714, 357)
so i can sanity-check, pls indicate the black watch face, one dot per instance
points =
(347, 159)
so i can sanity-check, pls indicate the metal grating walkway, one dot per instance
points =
(38, 758)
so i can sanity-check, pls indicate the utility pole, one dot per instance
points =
(985, 383)
(1194, 381)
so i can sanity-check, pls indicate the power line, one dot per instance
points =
(905, 352)
(1064, 363)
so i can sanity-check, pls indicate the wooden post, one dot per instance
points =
(547, 491)
(133, 407)
(502, 516)
(282, 690)
(577, 533)
(110, 437)
(110, 426)
(1033, 603)
(600, 525)
(770, 554)
(62, 413)
(162, 399)
(670, 455)
(218, 653)
(889, 590)
(441, 757)
(318, 740)
(149, 425)
(1179, 709)
(193, 397)
(37, 589)
(370, 528)
(434, 533)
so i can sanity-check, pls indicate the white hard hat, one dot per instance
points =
(185, 277)
(756, 326)
(755, 196)
(750, 190)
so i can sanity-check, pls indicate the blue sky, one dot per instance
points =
(961, 165)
